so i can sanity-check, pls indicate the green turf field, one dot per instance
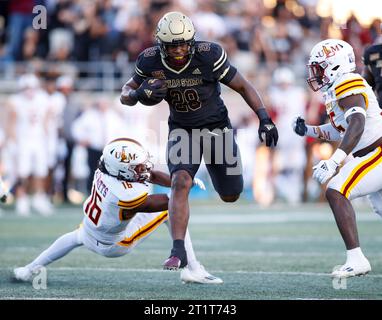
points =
(278, 253)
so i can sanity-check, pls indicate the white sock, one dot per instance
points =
(61, 247)
(354, 255)
(191, 258)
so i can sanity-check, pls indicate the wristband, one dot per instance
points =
(339, 156)
(262, 114)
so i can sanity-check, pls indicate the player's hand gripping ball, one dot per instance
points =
(152, 91)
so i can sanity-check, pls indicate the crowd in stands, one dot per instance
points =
(60, 86)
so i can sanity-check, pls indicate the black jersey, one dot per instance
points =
(194, 91)
(372, 59)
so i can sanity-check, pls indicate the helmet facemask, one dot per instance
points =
(142, 171)
(317, 78)
(173, 60)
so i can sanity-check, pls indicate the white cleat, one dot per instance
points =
(198, 275)
(23, 207)
(42, 205)
(23, 274)
(351, 270)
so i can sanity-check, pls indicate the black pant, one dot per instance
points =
(220, 152)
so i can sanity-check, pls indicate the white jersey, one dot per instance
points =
(103, 209)
(349, 84)
(31, 115)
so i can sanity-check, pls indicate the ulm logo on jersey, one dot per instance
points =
(329, 51)
(124, 156)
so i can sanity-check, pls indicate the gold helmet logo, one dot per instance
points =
(125, 157)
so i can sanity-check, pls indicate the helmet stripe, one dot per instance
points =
(126, 139)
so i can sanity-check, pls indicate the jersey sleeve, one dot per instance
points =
(131, 195)
(222, 69)
(365, 57)
(352, 84)
(142, 65)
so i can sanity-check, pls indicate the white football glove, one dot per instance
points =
(199, 183)
(324, 170)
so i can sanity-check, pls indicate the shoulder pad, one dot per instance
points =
(146, 60)
(348, 84)
(219, 56)
(203, 46)
(150, 52)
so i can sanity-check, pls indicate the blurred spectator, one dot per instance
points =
(208, 23)
(56, 105)
(287, 100)
(65, 85)
(20, 18)
(316, 115)
(94, 128)
(28, 131)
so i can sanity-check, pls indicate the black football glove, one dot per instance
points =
(299, 126)
(151, 89)
(268, 128)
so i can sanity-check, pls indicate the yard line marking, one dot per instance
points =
(286, 273)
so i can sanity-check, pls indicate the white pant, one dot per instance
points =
(32, 159)
(138, 229)
(360, 176)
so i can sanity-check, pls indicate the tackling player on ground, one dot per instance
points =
(355, 121)
(120, 213)
(191, 72)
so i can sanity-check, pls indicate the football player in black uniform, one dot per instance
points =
(372, 71)
(188, 74)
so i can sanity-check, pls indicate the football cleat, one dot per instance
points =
(23, 274)
(23, 207)
(351, 270)
(198, 275)
(172, 263)
(42, 205)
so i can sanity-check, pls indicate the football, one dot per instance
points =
(155, 84)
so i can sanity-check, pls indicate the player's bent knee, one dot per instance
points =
(333, 195)
(181, 180)
(232, 198)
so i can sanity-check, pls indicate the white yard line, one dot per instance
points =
(285, 273)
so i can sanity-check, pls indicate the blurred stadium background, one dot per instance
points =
(72, 72)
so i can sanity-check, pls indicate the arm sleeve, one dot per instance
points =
(132, 203)
(140, 74)
(324, 132)
(222, 69)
